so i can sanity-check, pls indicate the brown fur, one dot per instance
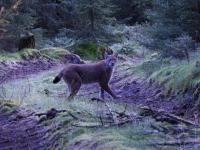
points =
(75, 75)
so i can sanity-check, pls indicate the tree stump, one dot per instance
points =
(26, 41)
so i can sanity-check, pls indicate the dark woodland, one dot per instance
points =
(100, 74)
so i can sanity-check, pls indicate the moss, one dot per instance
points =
(8, 106)
(26, 54)
(6, 109)
(89, 50)
(29, 54)
(54, 52)
(114, 138)
(9, 56)
(17, 56)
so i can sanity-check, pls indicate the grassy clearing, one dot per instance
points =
(39, 94)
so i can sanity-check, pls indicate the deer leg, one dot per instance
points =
(107, 89)
(101, 94)
(75, 87)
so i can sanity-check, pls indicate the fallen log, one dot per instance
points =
(168, 117)
(50, 114)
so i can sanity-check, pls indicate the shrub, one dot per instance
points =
(181, 77)
(180, 47)
(89, 50)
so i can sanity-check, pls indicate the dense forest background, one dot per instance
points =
(171, 27)
(157, 75)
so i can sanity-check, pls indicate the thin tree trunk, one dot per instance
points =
(92, 16)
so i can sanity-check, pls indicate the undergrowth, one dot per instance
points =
(54, 52)
(181, 78)
(89, 51)
(17, 56)
(174, 74)
(27, 54)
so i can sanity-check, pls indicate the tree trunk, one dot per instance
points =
(27, 41)
(92, 16)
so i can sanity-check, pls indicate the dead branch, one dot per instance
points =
(178, 143)
(166, 116)
(106, 125)
(50, 114)
(53, 113)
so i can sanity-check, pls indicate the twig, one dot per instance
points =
(108, 107)
(102, 123)
(72, 115)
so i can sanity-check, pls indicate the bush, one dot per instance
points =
(149, 66)
(178, 78)
(180, 47)
(89, 51)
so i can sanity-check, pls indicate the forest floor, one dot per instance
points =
(85, 125)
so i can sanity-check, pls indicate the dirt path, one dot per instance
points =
(19, 128)
(15, 70)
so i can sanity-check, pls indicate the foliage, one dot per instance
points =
(150, 64)
(89, 51)
(16, 18)
(92, 16)
(24, 54)
(62, 15)
(178, 78)
(170, 20)
(179, 47)
(28, 54)
(131, 11)
(20, 17)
